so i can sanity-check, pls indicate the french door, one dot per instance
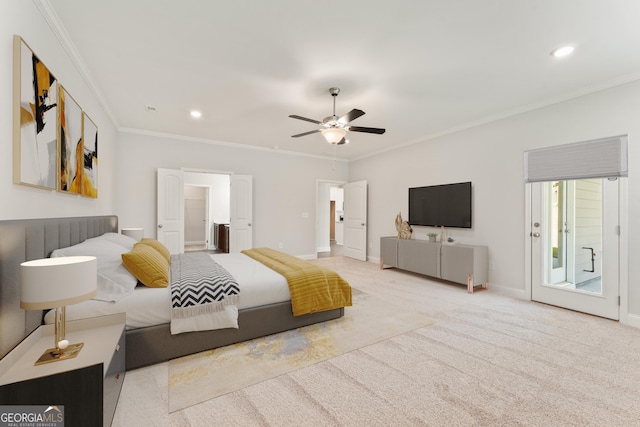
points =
(355, 220)
(241, 227)
(170, 211)
(575, 245)
(560, 219)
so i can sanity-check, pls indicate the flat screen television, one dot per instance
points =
(446, 205)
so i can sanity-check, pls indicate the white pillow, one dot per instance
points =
(114, 280)
(119, 239)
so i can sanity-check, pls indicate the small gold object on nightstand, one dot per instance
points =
(55, 354)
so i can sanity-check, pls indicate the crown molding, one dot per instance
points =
(224, 143)
(50, 15)
(630, 78)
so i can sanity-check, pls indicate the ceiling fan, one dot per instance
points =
(334, 128)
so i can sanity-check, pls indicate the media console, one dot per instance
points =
(465, 264)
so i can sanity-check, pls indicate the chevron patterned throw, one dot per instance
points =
(200, 285)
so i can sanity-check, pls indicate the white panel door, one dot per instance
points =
(240, 224)
(592, 245)
(355, 220)
(171, 209)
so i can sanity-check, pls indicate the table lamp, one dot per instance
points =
(134, 233)
(55, 283)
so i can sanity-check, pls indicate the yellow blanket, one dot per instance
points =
(313, 288)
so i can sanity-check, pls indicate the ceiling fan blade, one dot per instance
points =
(306, 133)
(350, 116)
(379, 131)
(293, 116)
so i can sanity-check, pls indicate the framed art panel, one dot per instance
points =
(70, 144)
(34, 122)
(90, 139)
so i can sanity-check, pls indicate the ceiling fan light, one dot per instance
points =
(333, 135)
(562, 51)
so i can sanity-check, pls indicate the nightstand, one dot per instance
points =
(88, 386)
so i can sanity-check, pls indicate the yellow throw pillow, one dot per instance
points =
(158, 247)
(147, 265)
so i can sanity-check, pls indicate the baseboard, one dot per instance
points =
(632, 320)
(503, 290)
(515, 293)
(324, 249)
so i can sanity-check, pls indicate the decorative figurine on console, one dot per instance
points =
(403, 227)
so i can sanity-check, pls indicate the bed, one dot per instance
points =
(23, 240)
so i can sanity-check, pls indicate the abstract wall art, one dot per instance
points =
(55, 143)
(90, 157)
(35, 116)
(70, 144)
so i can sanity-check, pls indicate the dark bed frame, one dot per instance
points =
(28, 239)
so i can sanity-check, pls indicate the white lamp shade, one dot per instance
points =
(134, 233)
(333, 135)
(57, 282)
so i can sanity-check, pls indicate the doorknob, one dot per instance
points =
(159, 225)
(535, 234)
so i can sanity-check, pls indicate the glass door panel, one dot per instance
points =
(574, 246)
(556, 253)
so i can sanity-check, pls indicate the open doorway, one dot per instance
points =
(236, 193)
(196, 218)
(330, 219)
(207, 198)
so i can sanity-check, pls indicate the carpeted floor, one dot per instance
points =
(489, 360)
(203, 376)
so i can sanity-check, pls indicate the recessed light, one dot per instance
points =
(196, 114)
(562, 51)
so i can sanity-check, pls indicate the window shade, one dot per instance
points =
(598, 158)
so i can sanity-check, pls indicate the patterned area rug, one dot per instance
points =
(203, 376)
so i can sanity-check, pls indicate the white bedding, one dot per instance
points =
(259, 285)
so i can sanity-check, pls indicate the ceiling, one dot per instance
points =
(417, 68)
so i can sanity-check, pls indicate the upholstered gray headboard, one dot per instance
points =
(27, 239)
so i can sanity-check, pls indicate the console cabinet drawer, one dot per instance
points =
(464, 264)
(113, 380)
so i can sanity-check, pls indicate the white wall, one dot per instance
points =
(284, 185)
(18, 201)
(491, 156)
